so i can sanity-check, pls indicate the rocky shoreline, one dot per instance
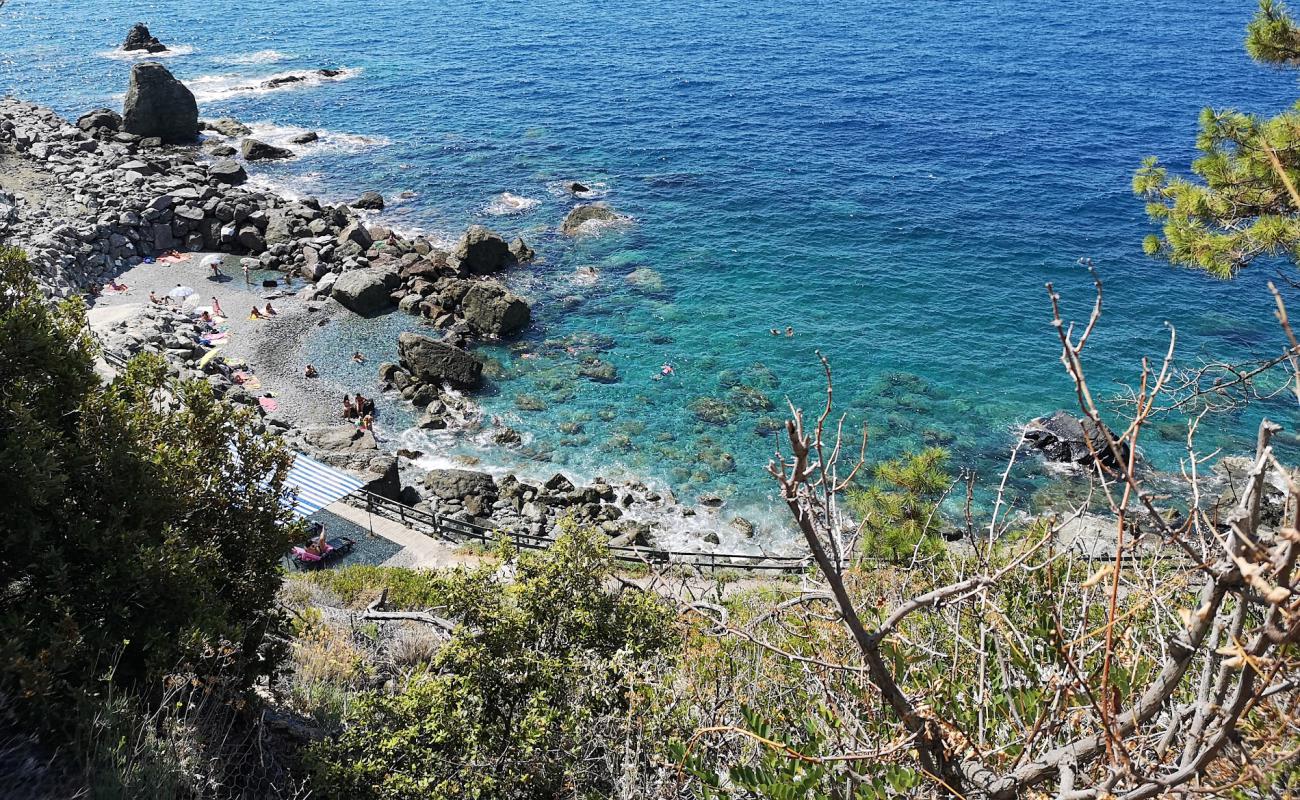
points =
(91, 200)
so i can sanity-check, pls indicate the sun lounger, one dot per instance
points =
(339, 546)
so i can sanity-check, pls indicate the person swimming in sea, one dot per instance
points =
(789, 330)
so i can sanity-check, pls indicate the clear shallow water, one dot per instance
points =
(895, 180)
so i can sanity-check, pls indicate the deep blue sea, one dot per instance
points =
(895, 180)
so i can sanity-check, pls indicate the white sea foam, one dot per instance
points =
(327, 141)
(506, 203)
(595, 191)
(260, 57)
(143, 55)
(213, 88)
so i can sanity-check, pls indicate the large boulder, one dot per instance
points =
(228, 172)
(480, 251)
(581, 215)
(159, 105)
(341, 439)
(365, 291)
(1067, 439)
(255, 150)
(457, 484)
(431, 361)
(139, 38)
(105, 118)
(491, 310)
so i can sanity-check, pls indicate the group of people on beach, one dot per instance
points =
(263, 313)
(97, 289)
(360, 411)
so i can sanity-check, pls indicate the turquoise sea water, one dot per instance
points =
(895, 180)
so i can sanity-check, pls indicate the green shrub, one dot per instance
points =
(545, 681)
(898, 506)
(133, 531)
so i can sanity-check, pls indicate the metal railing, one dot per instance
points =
(455, 530)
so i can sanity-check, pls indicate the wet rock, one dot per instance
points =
(255, 150)
(370, 201)
(521, 251)
(576, 188)
(581, 215)
(159, 105)
(306, 138)
(139, 38)
(711, 501)
(431, 361)
(744, 527)
(529, 402)
(598, 371)
(559, 483)
(228, 126)
(1065, 438)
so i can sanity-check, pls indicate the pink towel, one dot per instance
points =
(268, 405)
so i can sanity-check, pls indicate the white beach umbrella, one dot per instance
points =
(210, 260)
(181, 292)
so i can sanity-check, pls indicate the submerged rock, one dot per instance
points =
(580, 215)
(139, 38)
(159, 105)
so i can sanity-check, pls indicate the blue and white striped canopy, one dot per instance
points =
(317, 485)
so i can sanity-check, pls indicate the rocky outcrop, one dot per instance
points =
(482, 252)
(581, 215)
(255, 150)
(521, 251)
(447, 484)
(365, 291)
(1065, 438)
(490, 310)
(227, 172)
(369, 201)
(139, 38)
(159, 105)
(430, 361)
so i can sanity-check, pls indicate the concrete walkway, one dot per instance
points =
(418, 550)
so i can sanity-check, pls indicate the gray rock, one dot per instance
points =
(365, 291)
(255, 150)
(306, 138)
(371, 201)
(491, 310)
(139, 38)
(580, 215)
(521, 251)
(357, 234)
(431, 361)
(228, 172)
(227, 126)
(159, 105)
(341, 438)
(1065, 438)
(456, 484)
(100, 118)
(481, 252)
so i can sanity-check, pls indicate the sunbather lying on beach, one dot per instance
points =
(270, 312)
(255, 314)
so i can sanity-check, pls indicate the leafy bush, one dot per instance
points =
(142, 522)
(537, 694)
